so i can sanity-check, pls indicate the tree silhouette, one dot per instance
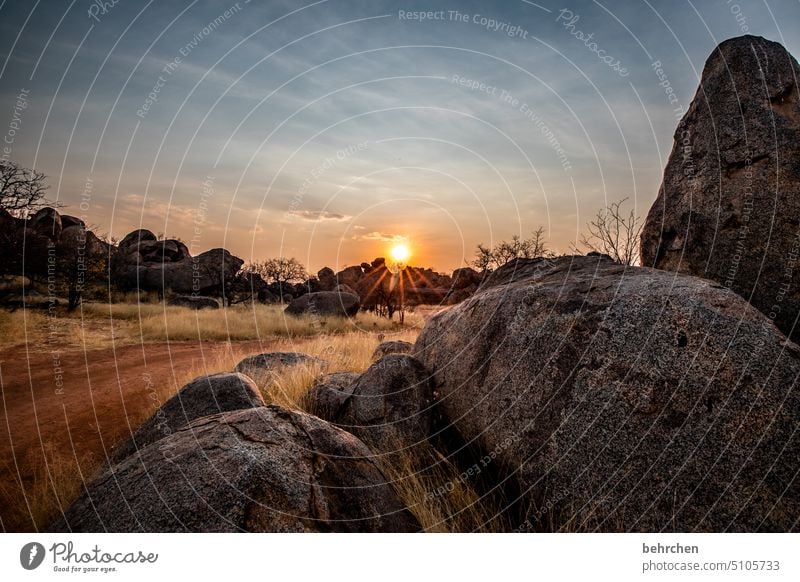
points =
(22, 190)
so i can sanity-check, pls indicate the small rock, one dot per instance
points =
(392, 347)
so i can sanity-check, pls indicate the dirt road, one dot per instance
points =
(71, 408)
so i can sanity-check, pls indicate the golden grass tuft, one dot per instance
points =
(56, 481)
(441, 498)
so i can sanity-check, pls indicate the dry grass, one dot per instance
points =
(348, 352)
(96, 325)
(439, 495)
(57, 480)
(168, 323)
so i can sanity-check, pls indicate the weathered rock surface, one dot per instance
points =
(260, 470)
(729, 205)
(68, 221)
(624, 399)
(203, 396)
(325, 303)
(390, 405)
(326, 397)
(392, 347)
(194, 302)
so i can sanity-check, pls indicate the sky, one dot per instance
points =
(329, 130)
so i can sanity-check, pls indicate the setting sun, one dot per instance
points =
(400, 253)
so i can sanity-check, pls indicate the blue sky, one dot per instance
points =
(326, 130)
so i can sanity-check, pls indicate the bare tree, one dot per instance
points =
(615, 233)
(280, 270)
(484, 258)
(487, 259)
(22, 190)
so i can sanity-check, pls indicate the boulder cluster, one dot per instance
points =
(217, 457)
(142, 261)
(378, 288)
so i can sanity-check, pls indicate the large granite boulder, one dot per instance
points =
(68, 221)
(623, 399)
(79, 242)
(390, 406)
(729, 205)
(466, 277)
(345, 289)
(135, 239)
(350, 276)
(326, 279)
(259, 470)
(325, 303)
(202, 396)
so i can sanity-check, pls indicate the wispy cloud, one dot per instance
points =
(380, 237)
(319, 215)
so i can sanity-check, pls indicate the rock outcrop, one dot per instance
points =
(624, 398)
(325, 303)
(146, 263)
(46, 222)
(202, 396)
(729, 205)
(259, 470)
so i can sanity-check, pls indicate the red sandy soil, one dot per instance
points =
(106, 393)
